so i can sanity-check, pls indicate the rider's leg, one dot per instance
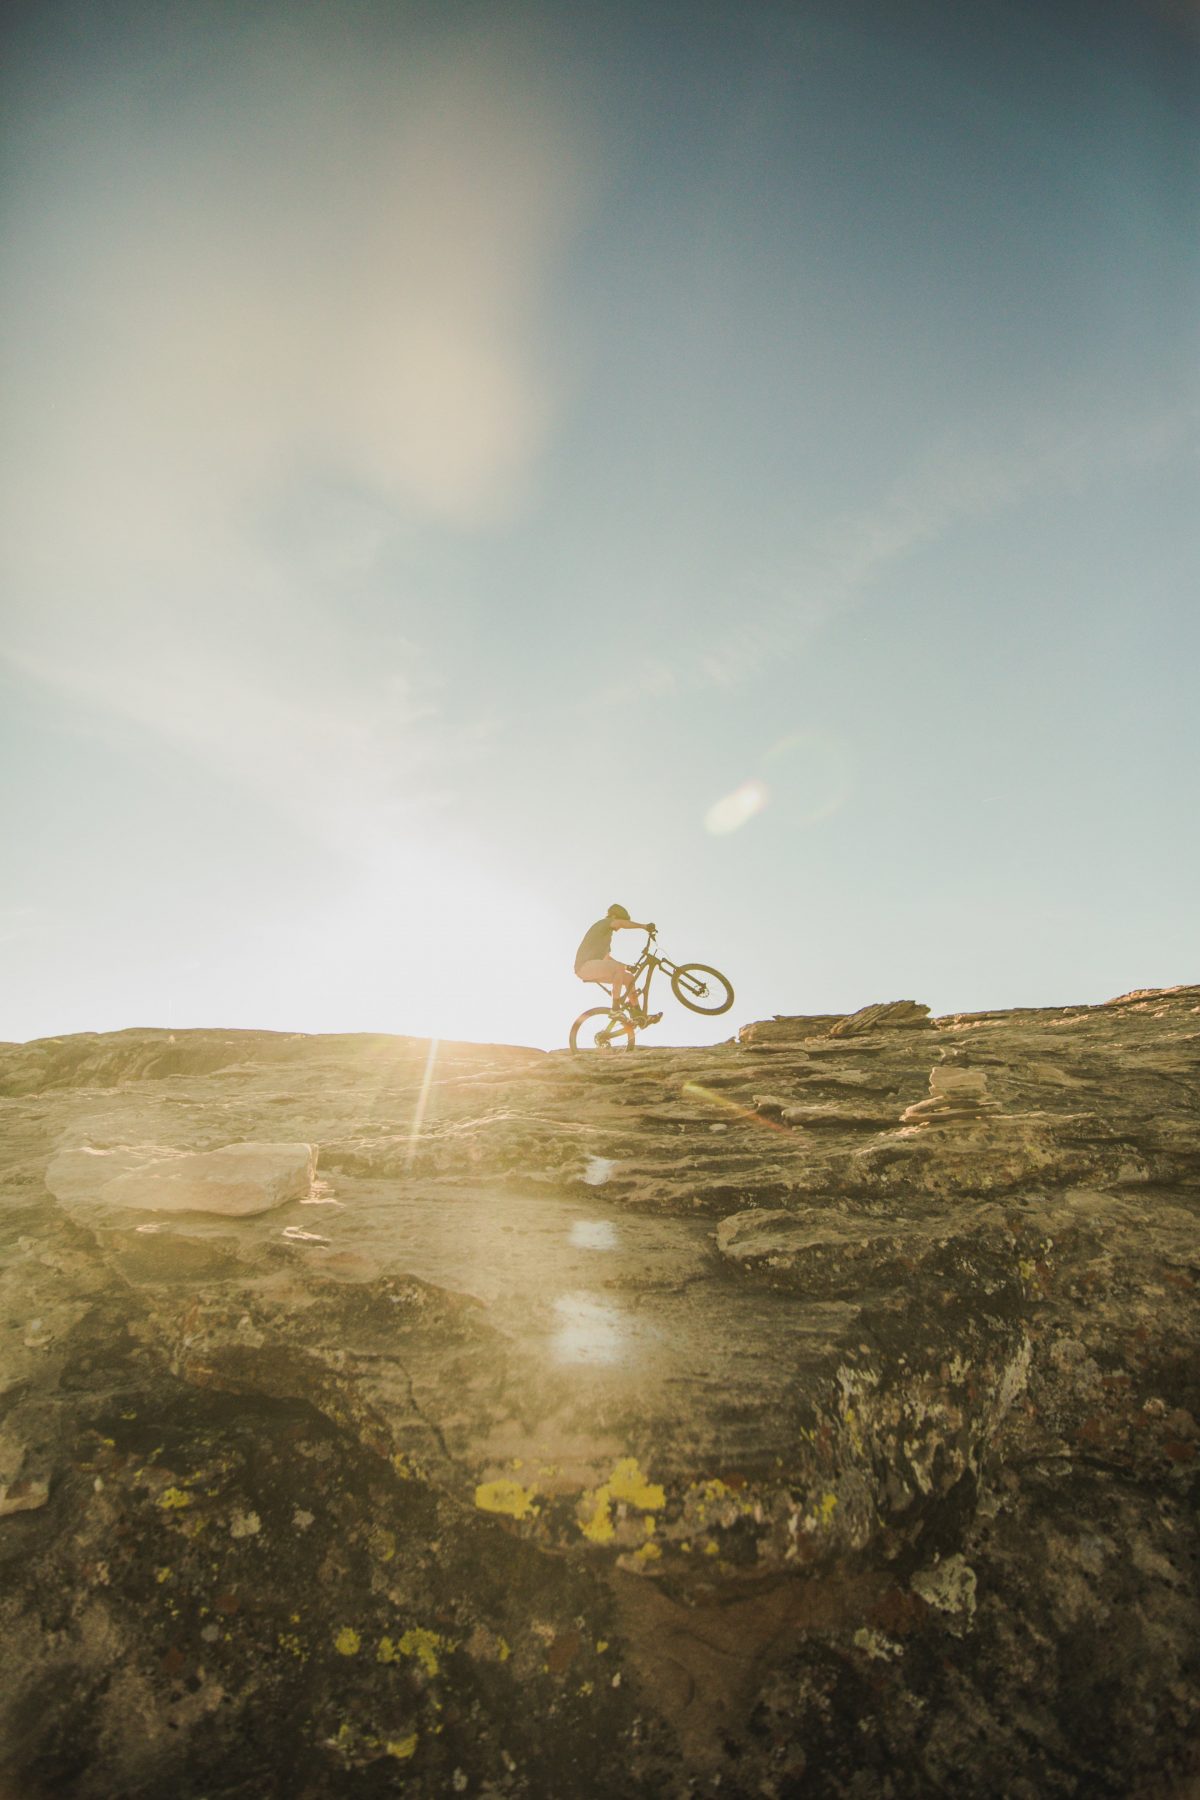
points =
(617, 978)
(624, 991)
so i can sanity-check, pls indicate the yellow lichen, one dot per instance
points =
(626, 1484)
(711, 1490)
(423, 1645)
(382, 1543)
(402, 1748)
(827, 1508)
(505, 1497)
(173, 1497)
(347, 1642)
(715, 1503)
(598, 1524)
(161, 1575)
(505, 1649)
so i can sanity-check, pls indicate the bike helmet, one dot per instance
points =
(618, 912)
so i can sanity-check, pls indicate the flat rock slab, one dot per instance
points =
(238, 1180)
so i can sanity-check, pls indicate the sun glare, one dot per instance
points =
(438, 944)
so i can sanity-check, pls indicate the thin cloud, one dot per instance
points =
(844, 558)
(316, 266)
(320, 275)
(348, 766)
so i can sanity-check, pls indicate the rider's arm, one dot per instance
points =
(631, 925)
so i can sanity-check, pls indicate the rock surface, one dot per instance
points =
(237, 1179)
(811, 1415)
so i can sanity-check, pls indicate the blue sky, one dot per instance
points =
(450, 455)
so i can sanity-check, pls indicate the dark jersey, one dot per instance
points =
(597, 942)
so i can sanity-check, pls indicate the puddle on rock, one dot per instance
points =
(592, 1234)
(588, 1330)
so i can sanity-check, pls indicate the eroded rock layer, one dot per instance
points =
(811, 1415)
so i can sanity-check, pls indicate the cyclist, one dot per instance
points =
(594, 962)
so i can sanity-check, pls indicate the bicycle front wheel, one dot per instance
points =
(702, 989)
(601, 1029)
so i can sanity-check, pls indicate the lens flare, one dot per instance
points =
(422, 1102)
(736, 809)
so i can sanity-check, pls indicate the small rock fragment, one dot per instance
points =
(24, 1495)
(957, 1096)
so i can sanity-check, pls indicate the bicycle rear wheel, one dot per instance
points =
(702, 989)
(600, 1028)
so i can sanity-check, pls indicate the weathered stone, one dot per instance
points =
(959, 1082)
(887, 1015)
(26, 1495)
(957, 1096)
(558, 1443)
(830, 1116)
(237, 1181)
(81, 1173)
(788, 1028)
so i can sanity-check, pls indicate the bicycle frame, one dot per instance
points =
(645, 965)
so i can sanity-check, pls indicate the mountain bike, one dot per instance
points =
(694, 985)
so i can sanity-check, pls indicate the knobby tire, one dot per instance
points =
(701, 989)
(599, 1019)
